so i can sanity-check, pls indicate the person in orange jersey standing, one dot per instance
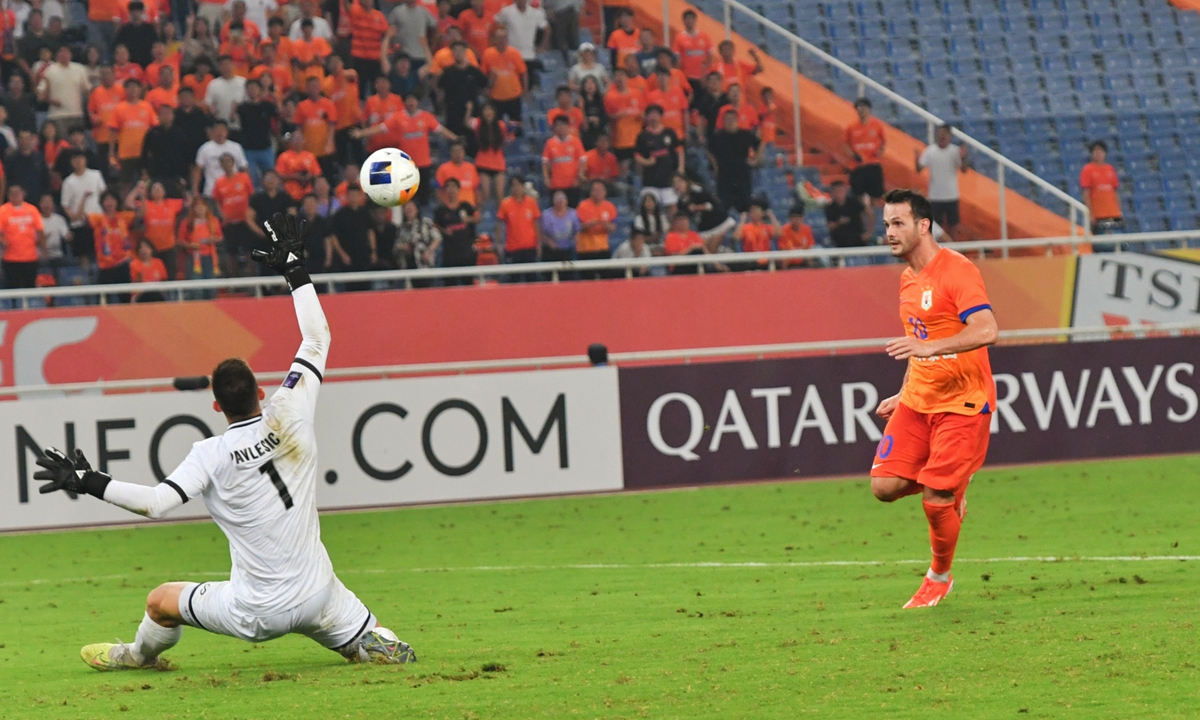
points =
(21, 234)
(940, 422)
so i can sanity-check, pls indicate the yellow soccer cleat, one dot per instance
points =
(106, 657)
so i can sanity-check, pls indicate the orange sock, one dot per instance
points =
(944, 525)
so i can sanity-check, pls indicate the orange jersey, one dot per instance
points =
(162, 96)
(638, 85)
(477, 31)
(281, 75)
(506, 68)
(444, 58)
(107, 10)
(792, 239)
(601, 167)
(379, 108)
(589, 211)
(314, 117)
(131, 122)
(295, 162)
(283, 48)
(867, 139)
(250, 31)
(366, 31)
(625, 44)
(205, 233)
(232, 194)
(520, 223)
(573, 115)
(562, 158)
(748, 115)
(153, 271)
(112, 238)
(695, 53)
(345, 98)
(768, 128)
(129, 71)
(199, 86)
(466, 175)
(172, 61)
(935, 305)
(159, 219)
(674, 104)
(626, 109)
(306, 51)
(19, 227)
(493, 158)
(682, 243)
(413, 132)
(100, 106)
(244, 56)
(1102, 182)
(737, 71)
(756, 237)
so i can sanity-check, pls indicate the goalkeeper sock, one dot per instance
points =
(153, 639)
(944, 525)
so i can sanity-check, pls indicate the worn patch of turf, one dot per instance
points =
(504, 630)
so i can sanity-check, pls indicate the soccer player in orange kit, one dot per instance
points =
(940, 421)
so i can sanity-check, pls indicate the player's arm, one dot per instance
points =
(979, 331)
(75, 475)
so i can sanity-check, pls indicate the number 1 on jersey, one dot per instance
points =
(269, 470)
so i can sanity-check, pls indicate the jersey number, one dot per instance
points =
(269, 470)
(920, 331)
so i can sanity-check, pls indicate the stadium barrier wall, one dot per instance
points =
(119, 342)
(1124, 288)
(813, 417)
(380, 443)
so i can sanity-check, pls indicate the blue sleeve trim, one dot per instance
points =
(971, 311)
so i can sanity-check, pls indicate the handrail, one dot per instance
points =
(930, 118)
(554, 269)
(1096, 333)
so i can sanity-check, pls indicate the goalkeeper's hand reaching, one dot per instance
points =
(287, 253)
(75, 475)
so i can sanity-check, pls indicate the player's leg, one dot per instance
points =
(159, 631)
(345, 625)
(900, 455)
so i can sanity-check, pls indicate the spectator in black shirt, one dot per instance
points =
(659, 153)
(708, 102)
(193, 121)
(455, 220)
(385, 237)
(29, 47)
(263, 206)
(78, 143)
(137, 35)
(734, 153)
(595, 118)
(705, 212)
(164, 153)
(460, 87)
(354, 233)
(320, 237)
(27, 167)
(847, 217)
(20, 104)
(256, 116)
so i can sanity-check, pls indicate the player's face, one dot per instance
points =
(903, 234)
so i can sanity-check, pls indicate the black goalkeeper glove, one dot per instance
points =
(286, 237)
(73, 475)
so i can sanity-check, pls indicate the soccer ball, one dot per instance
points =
(390, 177)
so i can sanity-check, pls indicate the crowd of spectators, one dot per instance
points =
(147, 139)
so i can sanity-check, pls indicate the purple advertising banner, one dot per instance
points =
(814, 417)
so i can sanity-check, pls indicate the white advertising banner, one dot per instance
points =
(383, 442)
(1122, 288)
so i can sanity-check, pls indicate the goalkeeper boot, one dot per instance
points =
(382, 646)
(106, 657)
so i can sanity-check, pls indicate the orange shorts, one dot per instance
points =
(940, 450)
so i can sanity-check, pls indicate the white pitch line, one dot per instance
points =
(652, 566)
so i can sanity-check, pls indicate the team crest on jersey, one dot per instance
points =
(926, 299)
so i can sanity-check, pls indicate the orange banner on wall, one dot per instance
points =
(501, 321)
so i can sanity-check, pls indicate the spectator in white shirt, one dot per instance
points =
(256, 11)
(225, 92)
(523, 23)
(208, 157)
(945, 161)
(57, 233)
(321, 27)
(635, 248)
(63, 86)
(81, 191)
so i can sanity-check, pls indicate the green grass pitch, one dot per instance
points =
(632, 606)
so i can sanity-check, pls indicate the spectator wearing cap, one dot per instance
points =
(626, 110)
(796, 235)
(519, 216)
(1099, 182)
(734, 152)
(587, 67)
(413, 26)
(225, 91)
(63, 85)
(558, 230)
(659, 154)
(847, 216)
(460, 86)
(564, 24)
(561, 158)
(624, 39)
(733, 70)
(525, 23)
(508, 76)
(138, 35)
(695, 51)
(208, 158)
(165, 156)
(866, 141)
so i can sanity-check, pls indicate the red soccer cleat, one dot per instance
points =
(930, 593)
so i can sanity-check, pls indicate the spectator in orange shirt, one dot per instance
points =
(249, 27)
(695, 51)
(130, 121)
(633, 74)
(110, 231)
(379, 107)
(600, 163)
(768, 127)
(341, 87)
(1100, 182)
(626, 110)
(199, 79)
(566, 108)
(317, 117)
(239, 49)
(161, 59)
(462, 170)
(665, 60)
(518, 215)
(297, 167)
(159, 215)
(166, 92)
(624, 40)
(733, 70)
(683, 240)
(508, 77)
(444, 57)
(147, 268)
(411, 130)
(21, 234)
(865, 141)
(277, 38)
(748, 115)
(476, 25)
(367, 28)
(796, 235)
(103, 100)
(491, 134)
(200, 235)
(561, 161)
(123, 69)
(232, 193)
(310, 50)
(597, 218)
(670, 98)
(755, 234)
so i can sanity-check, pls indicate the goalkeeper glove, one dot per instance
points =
(287, 252)
(73, 475)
